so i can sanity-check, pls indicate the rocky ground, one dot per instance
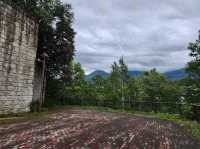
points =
(88, 129)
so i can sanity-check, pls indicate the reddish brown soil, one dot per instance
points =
(89, 129)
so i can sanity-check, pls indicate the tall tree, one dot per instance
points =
(119, 79)
(99, 86)
(153, 85)
(194, 71)
(124, 78)
(76, 90)
(123, 70)
(114, 80)
(133, 89)
(62, 46)
(194, 65)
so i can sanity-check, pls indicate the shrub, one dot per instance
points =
(187, 111)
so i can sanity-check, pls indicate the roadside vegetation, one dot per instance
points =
(23, 117)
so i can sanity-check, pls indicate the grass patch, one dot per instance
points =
(20, 117)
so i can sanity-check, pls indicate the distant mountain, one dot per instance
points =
(136, 73)
(171, 75)
(95, 73)
(105, 74)
(176, 74)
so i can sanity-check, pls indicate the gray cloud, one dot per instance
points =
(149, 34)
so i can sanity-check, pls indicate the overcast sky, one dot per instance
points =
(149, 34)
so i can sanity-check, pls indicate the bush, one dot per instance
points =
(187, 111)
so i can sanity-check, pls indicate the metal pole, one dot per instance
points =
(122, 95)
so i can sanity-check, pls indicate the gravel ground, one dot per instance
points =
(88, 129)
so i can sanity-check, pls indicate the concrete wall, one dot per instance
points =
(18, 45)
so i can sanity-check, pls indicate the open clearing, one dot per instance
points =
(77, 128)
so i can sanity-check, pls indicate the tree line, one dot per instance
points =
(152, 86)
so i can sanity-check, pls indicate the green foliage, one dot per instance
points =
(54, 93)
(153, 83)
(76, 90)
(60, 48)
(23, 4)
(118, 80)
(194, 71)
(173, 92)
(191, 90)
(119, 86)
(99, 88)
(56, 38)
(120, 90)
(40, 9)
(187, 111)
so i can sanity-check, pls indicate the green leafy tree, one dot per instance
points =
(118, 82)
(173, 91)
(99, 84)
(56, 38)
(76, 90)
(123, 70)
(194, 65)
(78, 74)
(62, 51)
(133, 90)
(124, 79)
(114, 82)
(153, 85)
(192, 91)
(193, 69)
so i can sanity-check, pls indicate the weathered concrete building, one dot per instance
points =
(18, 46)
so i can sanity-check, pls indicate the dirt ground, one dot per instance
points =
(88, 129)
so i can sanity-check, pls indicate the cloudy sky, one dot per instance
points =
(148, 34)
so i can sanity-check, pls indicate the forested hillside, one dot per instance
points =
(170, 75)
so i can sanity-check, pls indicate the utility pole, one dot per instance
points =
(122, 85)
(122, 77)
